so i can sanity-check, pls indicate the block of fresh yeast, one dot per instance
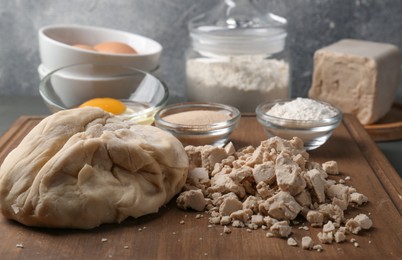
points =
(359, 77)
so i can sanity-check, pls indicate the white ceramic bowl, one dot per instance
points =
(314, 133)
(56, 50)
(70, 86)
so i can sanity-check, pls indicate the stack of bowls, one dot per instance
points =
(70, 75)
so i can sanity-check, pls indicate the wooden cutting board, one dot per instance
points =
(162, 236)
(389, 127)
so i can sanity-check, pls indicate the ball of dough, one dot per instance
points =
(84, 167)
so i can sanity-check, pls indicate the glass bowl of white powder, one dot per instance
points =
(199, 123)
(311, 120)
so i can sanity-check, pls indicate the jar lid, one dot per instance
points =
(237, 27)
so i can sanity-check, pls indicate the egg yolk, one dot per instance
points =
(110, 105)
(114, 47)
(84, 47)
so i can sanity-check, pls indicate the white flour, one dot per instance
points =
(240, 81)
(302, 109)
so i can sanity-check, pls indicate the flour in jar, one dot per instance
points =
(241, 81)
(302, 109)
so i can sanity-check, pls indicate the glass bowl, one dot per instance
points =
(314, 133)
(68, 87)
(205, 123)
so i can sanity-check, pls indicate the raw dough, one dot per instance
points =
(83, 167)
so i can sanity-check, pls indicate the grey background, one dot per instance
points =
(312, 24)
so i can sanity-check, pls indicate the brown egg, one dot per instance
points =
(84, 46)
(114, 47)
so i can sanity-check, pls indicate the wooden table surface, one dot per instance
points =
(161, 236)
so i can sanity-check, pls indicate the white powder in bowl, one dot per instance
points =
(302, 109)
(239, 81)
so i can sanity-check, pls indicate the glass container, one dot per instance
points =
(237, 56)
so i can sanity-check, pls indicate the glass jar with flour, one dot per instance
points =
(238, 56)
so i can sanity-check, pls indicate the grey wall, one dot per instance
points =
(312, 25)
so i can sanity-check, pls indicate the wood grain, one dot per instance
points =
(389, 127)
(161, 236)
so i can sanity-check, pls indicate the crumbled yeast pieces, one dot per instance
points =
(191, 199)
(331, 167)
(339, 236)
(325, 238)
(268, 187)
(307, 242)
(361, 221)
(280, 229)
(291, 241)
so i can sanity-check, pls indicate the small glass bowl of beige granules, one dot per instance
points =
(199, 123)
(311, 120)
